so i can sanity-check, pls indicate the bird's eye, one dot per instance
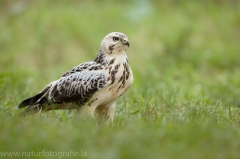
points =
(115, 38)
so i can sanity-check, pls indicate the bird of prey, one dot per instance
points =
(91, 87)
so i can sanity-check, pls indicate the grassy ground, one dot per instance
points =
(185, 58)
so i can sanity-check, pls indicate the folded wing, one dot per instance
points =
(77, 87)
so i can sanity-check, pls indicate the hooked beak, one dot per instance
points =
(126, 42)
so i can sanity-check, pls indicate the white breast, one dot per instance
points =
(119, 79)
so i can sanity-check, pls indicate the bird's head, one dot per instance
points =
(114, 43)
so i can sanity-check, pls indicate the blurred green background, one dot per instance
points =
(184, 56)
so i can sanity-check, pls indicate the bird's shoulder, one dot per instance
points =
(86, 66)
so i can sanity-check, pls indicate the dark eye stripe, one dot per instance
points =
(115, 38)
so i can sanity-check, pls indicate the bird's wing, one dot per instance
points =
(84, 66)
(78, 84)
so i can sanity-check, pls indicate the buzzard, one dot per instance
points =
(91, 87)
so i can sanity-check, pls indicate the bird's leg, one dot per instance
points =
(86, 111)
(105, 114)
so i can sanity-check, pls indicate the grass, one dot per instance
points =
(185, 58)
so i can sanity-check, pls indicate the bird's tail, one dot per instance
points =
(31, 101)
(35, 104)
(33, 109)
